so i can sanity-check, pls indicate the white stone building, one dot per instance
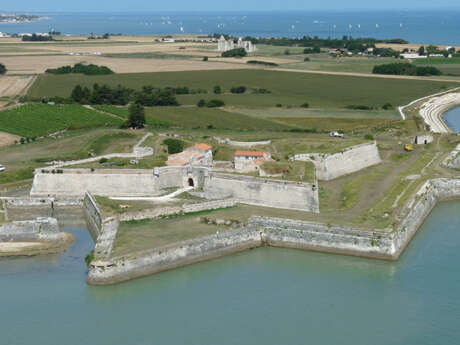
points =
(246, 161)
(224, 45)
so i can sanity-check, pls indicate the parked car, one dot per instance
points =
(336, 134)
(2, 168)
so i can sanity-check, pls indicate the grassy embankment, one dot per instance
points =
(21, 160)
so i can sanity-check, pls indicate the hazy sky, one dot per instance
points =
(219, 5)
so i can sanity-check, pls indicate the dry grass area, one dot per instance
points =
(38, 64)
(11, 86)
(8, 139)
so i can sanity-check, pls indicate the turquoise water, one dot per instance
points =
(452, 118)
(263, 296)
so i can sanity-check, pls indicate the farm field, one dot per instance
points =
(13, 85)
(287, 88)
(35, 120)
(344, 64)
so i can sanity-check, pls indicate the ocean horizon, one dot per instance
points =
(423, 26)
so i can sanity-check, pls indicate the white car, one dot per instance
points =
(2, 168)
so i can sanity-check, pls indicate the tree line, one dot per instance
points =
(406, 69)
(120, 95)
(81, 69)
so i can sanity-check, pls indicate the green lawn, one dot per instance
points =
(34, 120)
(287, 88)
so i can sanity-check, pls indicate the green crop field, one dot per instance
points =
(287, 88)
(34, 120)
(208, 118)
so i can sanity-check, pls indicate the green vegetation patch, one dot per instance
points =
(287, 88)
(34, 120)
(208, 118)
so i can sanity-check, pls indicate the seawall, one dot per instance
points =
(387, 244)
(33, 237)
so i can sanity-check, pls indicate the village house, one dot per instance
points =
(199, 154)
(246, 161)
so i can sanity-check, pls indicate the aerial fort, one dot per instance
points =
(201, 155)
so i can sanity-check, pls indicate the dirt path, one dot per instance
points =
(368, 75)
(7, 139)
(104, 112)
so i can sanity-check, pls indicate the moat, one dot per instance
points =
(263, 296)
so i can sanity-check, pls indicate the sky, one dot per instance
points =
(219, 5)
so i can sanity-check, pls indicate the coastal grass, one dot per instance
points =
(21, 160)
(286, 88)
(35, 120)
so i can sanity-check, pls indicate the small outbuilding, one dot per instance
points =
(423, 139)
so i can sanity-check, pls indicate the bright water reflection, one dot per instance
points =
(264, 296)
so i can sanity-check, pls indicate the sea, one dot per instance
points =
(428, 27)
(267, 296)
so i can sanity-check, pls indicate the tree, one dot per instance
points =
(201, 103)
(136, 117)
(421, 51)
(77, 94)
(217, 90)
(174, 145)
(2, 69)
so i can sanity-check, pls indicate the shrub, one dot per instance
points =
(174, 145)
(2, 68)
(201, 103)
(217, 90)
(287, 52)
(368, 137)
(237, 52)
(205, 58)
(238, 89)
(387, 106)
(265, 63)
(103, 160)
(305, 105)
(279, 105)
(215, 103)
(306, 59)
(358, 107)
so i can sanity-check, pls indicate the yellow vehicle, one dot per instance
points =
(409, 147)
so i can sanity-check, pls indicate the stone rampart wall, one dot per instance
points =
(263, 192)
(38, 230)
(350, 160)
(220, 244)
(74, 183)
(383, 244)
